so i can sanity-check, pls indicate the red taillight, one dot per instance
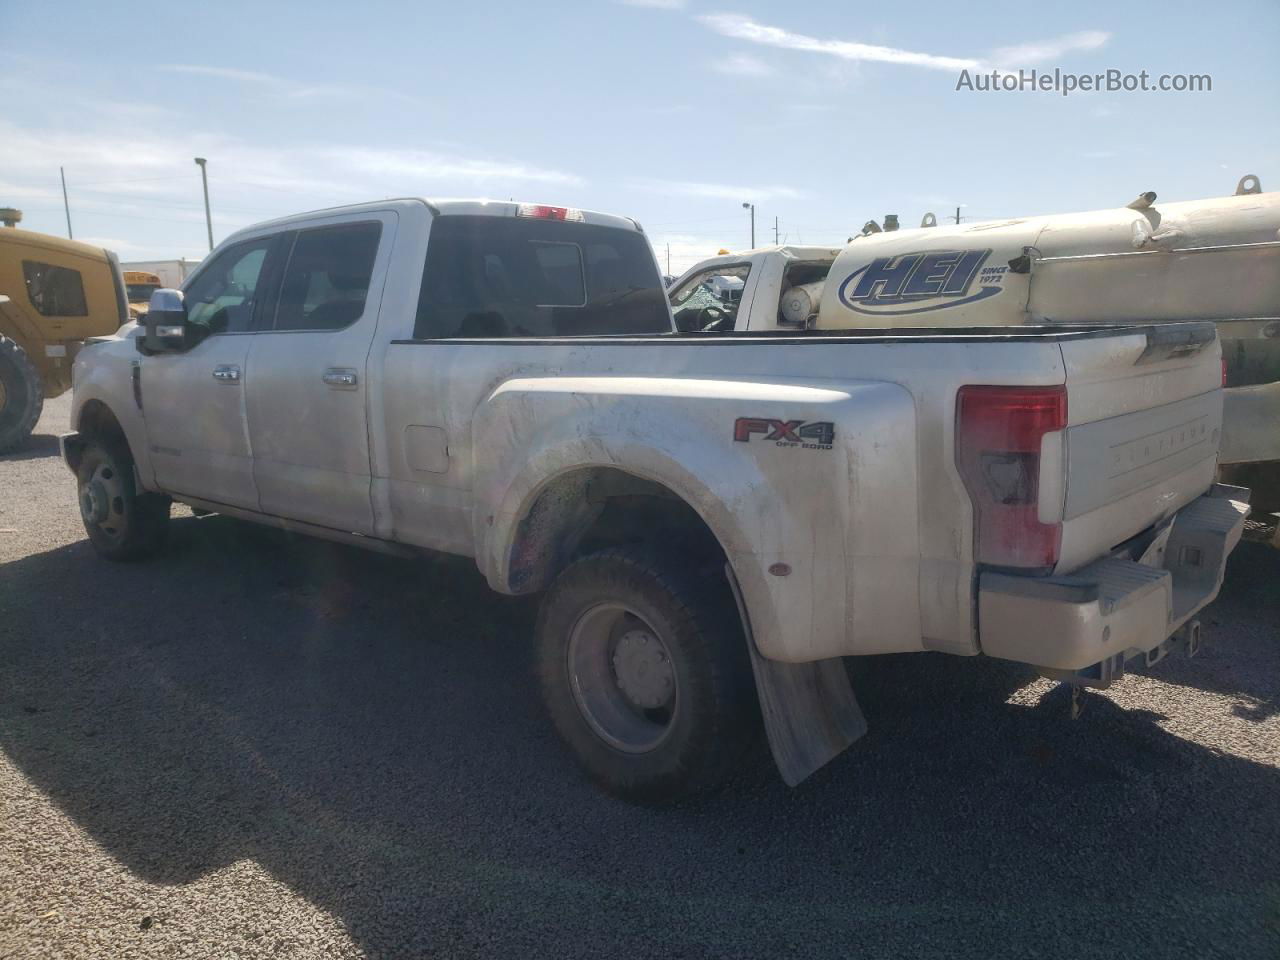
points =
(998, 435)
(542, 212)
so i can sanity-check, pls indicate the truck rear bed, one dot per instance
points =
(879, 530)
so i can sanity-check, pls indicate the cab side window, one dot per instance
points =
(326, 281)
(54, 291)
(222, 298)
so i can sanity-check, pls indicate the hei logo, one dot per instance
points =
(816, 435)
(918, 282)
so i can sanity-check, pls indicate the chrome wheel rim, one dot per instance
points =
(102, 501)
(623, 679)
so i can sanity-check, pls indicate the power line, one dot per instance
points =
(113, 216)
(96, 183)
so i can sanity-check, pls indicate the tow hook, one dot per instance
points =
(1077, 701)
(1188, 638)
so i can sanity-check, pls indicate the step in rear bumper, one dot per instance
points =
(1114, 605)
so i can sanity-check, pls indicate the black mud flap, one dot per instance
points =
(810, 712)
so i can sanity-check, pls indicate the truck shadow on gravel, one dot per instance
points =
(37, 447)
(1244, 663)
(366, 730)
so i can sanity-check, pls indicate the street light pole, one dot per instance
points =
(752, 208)
(204, 179)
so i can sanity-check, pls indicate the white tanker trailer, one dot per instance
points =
(1193, 260)
(1145, 262)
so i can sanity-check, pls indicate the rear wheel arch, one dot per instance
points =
(587, 509)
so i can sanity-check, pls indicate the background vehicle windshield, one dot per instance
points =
(141, 292)
(709, 300)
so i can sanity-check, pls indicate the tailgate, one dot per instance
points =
(1144, 419)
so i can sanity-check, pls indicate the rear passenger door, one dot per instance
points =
(306, 392)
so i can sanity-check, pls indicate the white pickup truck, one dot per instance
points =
(503, 381)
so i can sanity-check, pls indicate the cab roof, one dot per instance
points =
(15, 235)
(448, 207)
(789, 251)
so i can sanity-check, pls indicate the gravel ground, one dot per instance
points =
(262, 746)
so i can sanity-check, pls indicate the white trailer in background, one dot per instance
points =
(1147, 262)
(172, 273)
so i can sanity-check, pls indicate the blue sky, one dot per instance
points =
(824, 113)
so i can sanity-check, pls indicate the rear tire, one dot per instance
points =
(122, 524)
(645, 673)
(21, 395)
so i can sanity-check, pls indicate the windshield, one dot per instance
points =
(141, 292)
(708, 300)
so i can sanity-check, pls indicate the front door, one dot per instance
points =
(194, 402)
(306, 399)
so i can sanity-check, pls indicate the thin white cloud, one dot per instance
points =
(717, 191)
(426, 167)
(222, 73)
(741, 27)
(742, 65)
(152, 190)
(1047, 51)
(283, 86)
(744, 28)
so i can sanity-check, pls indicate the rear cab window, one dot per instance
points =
(514, 277)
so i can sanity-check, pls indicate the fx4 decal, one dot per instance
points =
(815, 435)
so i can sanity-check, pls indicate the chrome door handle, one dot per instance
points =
(341, 378)
(226, 373)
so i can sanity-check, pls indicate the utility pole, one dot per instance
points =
(775, 231)
(752, 208)
(204, 179)
(65, 205)
(957, 214)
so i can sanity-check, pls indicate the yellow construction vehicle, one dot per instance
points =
(54, 294)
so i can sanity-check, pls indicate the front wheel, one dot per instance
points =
(122, 523)
(645, 673)
(21, 395)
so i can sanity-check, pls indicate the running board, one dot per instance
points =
(298, 526)
(810, 712)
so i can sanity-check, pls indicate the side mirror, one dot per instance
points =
(165, 328)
